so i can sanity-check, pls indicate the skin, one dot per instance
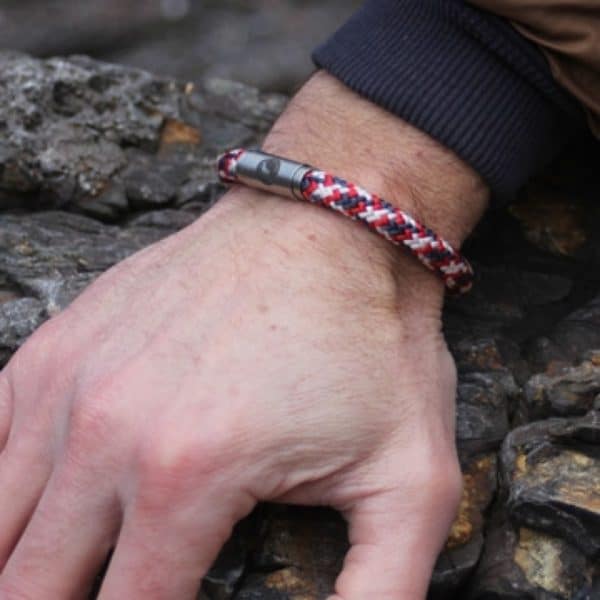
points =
(270, 351)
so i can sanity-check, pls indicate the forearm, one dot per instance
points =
(333, 128)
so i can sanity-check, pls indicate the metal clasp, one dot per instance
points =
(271, 173)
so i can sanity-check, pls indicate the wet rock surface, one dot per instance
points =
(98, 161)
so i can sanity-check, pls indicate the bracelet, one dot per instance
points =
(288, 178)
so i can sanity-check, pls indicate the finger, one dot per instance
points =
(24, 471)
(66, 541)
(393, 551)
(6, 408)
(164, 554)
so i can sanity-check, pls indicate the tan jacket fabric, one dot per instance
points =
(568, 32)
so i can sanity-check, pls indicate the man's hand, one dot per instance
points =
(270, 351)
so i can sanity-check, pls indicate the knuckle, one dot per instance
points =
(6, 392)
(6, 407)
(44, 339)
(41, 352)
(97, 436)
(431, 474)
(171, 466)
(93, 420)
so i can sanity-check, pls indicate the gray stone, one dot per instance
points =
(569, 340)
(482, 410)
(107, 139)
(48, 258)
(18, 319)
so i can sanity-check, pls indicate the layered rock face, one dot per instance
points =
(98, 161)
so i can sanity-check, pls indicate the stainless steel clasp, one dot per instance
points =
(271, 173)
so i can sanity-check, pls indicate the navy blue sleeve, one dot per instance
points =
(462, 75)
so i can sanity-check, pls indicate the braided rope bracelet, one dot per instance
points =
(288, 178)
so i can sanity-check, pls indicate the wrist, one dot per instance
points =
(305, 239)
(332, 128)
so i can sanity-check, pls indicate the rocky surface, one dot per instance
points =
(543, 540)
(266, 43)
(106, 142)
(98, 161)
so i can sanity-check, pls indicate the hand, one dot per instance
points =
(270, 351)
(223, 366)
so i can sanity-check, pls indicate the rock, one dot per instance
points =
(104, 140)
(283, 584)
(570, 340)
(510, 305)
(241, 103)
(300, 557)
(558, 212)
(552, 564)
(231, 567)
(542, 543)
(524, 564)
(49, 257)
(482, 410)
(477, 354)
(18, 319)
(575, 391)
(520, 291)
(553, 222)
(551, 472)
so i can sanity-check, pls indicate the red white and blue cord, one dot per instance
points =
(320, 187)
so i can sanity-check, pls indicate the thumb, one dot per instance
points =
(395, 541)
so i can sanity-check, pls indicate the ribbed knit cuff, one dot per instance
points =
(465, 77)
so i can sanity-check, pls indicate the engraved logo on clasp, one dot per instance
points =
(267, 170)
